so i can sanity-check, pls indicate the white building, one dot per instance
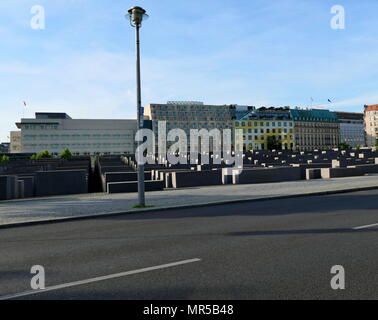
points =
(352, 131)
(371, 125)
(15, 142)
(56, 131)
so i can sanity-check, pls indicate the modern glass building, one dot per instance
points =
(352, 131)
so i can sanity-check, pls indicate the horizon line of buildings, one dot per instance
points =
(263, 128)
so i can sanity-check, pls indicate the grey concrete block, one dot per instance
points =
(28, 186)
(328, 173)
(7, 187)
(227, 175)
(61, 182)
(122, 177)
(304, 167)
(105, 169)
(186, 179)
(13, 187)
(313, 174)
(167, 177)
(125, 176)
(265, 175)
(20, 189)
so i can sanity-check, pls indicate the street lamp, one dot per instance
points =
(136, 16)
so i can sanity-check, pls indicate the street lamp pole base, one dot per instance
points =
(141, 197)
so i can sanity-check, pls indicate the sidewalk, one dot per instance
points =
(79, 206)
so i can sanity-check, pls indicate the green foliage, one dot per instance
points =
(344, 146)
(274, 143)
(66, 154)
(43, 155)
(3, 158)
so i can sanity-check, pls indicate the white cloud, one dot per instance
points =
(368, 98)
(17, 68)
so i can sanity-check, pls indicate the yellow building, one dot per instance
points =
(265, 129)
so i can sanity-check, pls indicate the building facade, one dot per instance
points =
(4, 147)
(352, 131)
(56, 131)
(371, 125)
(265, 128)
(15, 142)
(187, 115)
(315, 129)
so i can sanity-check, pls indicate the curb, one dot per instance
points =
(198, 205)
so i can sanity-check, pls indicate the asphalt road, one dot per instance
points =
(280, 249)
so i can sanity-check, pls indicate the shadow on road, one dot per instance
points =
(305, 231)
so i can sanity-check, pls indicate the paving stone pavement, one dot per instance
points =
(42, 209)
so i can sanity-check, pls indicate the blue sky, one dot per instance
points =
(255, 52)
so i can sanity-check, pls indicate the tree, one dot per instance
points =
(344, 146)
(66, 154)
(44, 155)
(274, 143)
(4, 158)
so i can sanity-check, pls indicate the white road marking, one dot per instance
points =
(111, 276)
(365, 227)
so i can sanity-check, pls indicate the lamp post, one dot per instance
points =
(136, 16)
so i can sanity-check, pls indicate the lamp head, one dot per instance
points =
(136, 16)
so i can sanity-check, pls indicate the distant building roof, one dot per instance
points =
(198, 103)
(341, 115)
(313, 115)
(373, 107)
(264, 114)
(52, 115)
